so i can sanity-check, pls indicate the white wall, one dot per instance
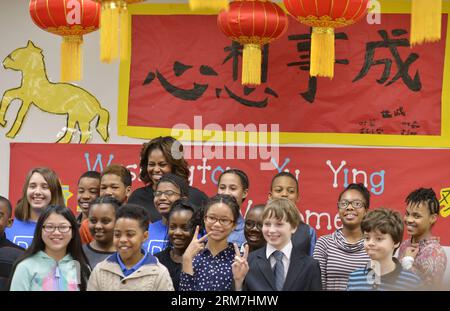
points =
(99, 79)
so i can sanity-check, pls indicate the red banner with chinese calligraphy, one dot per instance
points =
(183, 67)
(390, 174)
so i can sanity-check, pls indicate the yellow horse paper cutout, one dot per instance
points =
(80, 106)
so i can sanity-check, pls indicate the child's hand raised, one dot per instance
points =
(195, 246)
(240, 266)
(412, 250)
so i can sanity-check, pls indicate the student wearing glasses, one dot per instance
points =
(55, 260)
(160, 156)
(235, 182)
(169, 189)
(207, 260)
(342, 252)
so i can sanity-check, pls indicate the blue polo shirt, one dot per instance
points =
(127, 271)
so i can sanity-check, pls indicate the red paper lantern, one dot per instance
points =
(252, 23)
(324, 16)
(70, 19)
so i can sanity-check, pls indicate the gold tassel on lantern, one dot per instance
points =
(124, 31)
(426, 18)
(216, 5)
(71, 58)
(251, 64)
(322, 52)
(109, 36)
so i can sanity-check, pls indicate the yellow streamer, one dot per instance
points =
(71, 58)
(322, 52)
(251, 64)
(124, 32)
(426, 17)
(216, 5)
(109, 36)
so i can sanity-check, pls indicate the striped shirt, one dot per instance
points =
(338, 258)
(397, 280)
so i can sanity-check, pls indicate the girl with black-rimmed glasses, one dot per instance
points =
(235, 182)
(342, 252)
(169, 189)
(55, 260)
(207, 260)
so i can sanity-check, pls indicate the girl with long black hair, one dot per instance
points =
(55, 260)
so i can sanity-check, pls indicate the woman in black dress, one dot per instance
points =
(159, 156)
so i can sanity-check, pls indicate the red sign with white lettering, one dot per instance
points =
(322, 173)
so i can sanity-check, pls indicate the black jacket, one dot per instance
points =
(303, 273)
(144, 197)
(301, 239)
(9, 252)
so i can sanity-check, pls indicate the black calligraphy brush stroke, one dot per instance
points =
(248, 90)
(414, 84)
(342, 61)
(191, 94)
(269, 91)
(218, 92)
(245, 102)
(208, 71)
(265, 63)
(300, 37)
(302, 64)
(150, 77)
(310, 95)
(180, 68)
(341, 36)
(399, 32)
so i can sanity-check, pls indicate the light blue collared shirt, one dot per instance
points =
(237, 235)
(127, 271)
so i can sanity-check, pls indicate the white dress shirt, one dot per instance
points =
(286, 250)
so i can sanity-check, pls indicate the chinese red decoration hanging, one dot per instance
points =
(324, 16)
(217, 5)
(252, 23)
(70, 19)
(114, 28)
(426, 17)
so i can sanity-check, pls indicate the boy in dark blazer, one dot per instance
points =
(277, 266)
